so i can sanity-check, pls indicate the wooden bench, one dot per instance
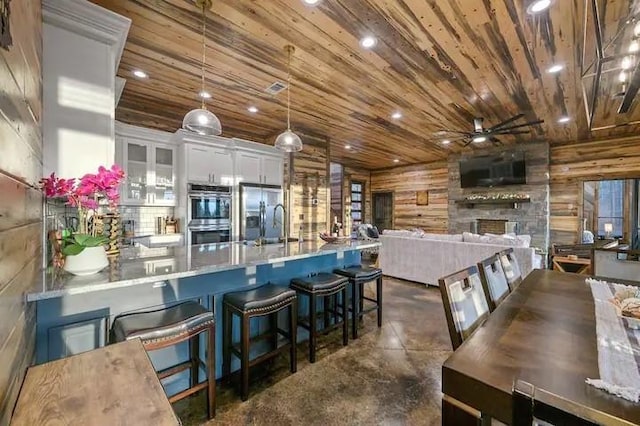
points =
(113, 385)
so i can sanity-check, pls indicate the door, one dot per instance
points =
(273, 223)
(251, 212)
(164, 182)
(248, 167)
(383, 210)
(136, 160)
(200, 162)
(222, 167)
(272, 170)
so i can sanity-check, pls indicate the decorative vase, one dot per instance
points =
(108, 225)
(89, 261)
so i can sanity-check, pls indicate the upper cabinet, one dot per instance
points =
(209, 164)
(149, 163)
(259, 167)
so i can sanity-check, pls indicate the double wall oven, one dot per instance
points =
(209, 214)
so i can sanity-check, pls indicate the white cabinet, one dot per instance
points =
(272, 170)
(248, 167)
(254, 167)
(206, 164)
(150, 170)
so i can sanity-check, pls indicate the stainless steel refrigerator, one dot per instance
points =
(257, 210)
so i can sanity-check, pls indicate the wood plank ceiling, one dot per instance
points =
(439, 62)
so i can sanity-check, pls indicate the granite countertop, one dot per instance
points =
(141, 265)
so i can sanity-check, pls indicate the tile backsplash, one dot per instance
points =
(144, 217)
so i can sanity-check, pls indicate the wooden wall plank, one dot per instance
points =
(21, 203)
(404, 182)
(573, 164)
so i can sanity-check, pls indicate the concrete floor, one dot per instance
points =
(389, 376)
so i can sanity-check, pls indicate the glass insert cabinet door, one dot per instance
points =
(137, 167)
(164, 174)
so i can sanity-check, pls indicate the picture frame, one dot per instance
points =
(422, 198)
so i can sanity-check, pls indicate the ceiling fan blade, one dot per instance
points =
(505, 122)
(512, 132)
(531, 123)
(495, 140)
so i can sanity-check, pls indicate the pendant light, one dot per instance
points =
(288, 141)
(201, 120)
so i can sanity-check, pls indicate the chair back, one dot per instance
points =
(494, 281)
(533, 405)
(510, 267)
(465, 303)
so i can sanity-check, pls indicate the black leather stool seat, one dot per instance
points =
(323, 282)
(359, 272)
(265, 298)
(162, 324)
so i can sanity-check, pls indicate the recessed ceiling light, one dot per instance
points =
(347, 147)
(204, 95)
(396, 115)
(479, 139)
(538, 6)
(368, 42)
(564, 119)
(312, 2)
(446, 142)
(396, 161)
(140, 74)
(252, 109)
(555, 69)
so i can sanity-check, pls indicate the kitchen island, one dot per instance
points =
(74, 314)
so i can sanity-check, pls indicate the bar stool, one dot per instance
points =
(358, 276)
(323, 286)
(266, 300)
(166, 327)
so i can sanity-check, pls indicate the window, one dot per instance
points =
(357, 203)
(610, 206)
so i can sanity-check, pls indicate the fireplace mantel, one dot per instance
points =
(512, 203)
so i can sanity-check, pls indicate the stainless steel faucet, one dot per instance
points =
(285, 221)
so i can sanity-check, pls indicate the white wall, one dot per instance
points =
(78, 103)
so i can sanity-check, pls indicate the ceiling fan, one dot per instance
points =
(482, 134)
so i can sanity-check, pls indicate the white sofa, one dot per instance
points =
(425, 258)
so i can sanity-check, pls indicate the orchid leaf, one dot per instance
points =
(72, 250)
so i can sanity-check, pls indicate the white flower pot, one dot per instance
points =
(90, 261)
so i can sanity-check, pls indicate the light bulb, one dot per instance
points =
(634, 47)
(479, 139)
(636, 30)
(202, 119)
(626, 63)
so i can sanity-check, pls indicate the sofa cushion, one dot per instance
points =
(443, 237)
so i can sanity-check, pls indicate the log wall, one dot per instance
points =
(20, 203)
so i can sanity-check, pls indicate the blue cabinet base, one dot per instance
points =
(72, 324)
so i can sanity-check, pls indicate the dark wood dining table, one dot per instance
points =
(544, 333)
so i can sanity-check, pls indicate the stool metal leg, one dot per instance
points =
(313, 334)
(293, 333)
(211, 371)
(194, 344)
(244, 359)
(227, 327)
(361, 300)
(355, 296)
(345, 316)
(379, 298)
(273, 326)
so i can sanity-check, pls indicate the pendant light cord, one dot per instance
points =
(289, 90)
(204, 47)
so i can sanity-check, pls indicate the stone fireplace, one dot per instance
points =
(494, 226)
(520, 209)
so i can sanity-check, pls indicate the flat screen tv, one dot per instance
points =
(493, 170)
